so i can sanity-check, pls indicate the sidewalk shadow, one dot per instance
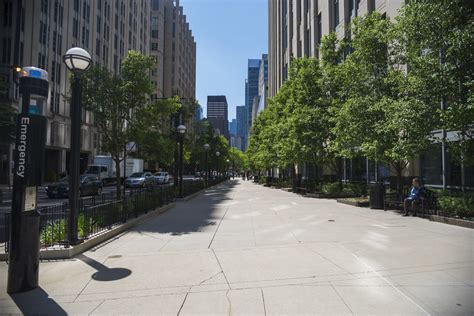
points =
(37, 302)
(194, 215)
(104, 273)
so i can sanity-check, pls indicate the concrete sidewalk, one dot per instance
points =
(244, 249)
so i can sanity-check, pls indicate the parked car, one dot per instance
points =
(162, 177)
(87, 186)
(140, 180)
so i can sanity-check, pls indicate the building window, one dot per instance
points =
(98, 24)
(431, 165)
(75, 27)
(320, 28)
(61, 10)
(44, 6)
(154, 34)
(336, 13)
(6, 51)
(97, 47)
(154, 46)
(58, 69)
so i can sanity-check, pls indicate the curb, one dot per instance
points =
(353, 203)
(452, 221)
(67, 253)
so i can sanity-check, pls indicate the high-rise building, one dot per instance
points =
(217, 114)
(296, 28)
(174, 48)
(233, 127)
(251, 88)
(38, 33)
(259, 100)
(263, 84)
(242, 125)
(198, 115)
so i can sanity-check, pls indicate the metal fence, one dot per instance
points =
(101, 213)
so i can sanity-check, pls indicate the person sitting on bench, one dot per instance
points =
(414, 197)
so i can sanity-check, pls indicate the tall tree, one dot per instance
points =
(115, 100)
(436, 40)
(380, 119)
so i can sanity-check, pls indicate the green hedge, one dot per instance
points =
(333, 188)
(462, 206)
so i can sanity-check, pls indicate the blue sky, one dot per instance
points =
(227, 33)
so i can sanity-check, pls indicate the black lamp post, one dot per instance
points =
(77, 60)
(217, 164)
(227, 168)
(206, 150)
(181, 131)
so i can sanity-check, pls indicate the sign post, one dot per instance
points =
(23, 267)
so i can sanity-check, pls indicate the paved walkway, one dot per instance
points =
(245, 249)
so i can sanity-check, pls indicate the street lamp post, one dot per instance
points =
(227, 167)
(206, 150)
(77, 60)
(181, 131)
(217, 164)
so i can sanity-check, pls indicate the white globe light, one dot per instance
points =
(206, 146)
(218, 154)
(181, 129)
(77, 59)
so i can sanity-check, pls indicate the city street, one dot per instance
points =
(240, 248)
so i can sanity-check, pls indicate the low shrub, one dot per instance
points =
(331, 188)
(462, 206)
(355, 188)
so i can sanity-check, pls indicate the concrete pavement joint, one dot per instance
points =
(88, 282)
(220, 221)
(95, 308)
(229, 312)
(263, 301)
(184, 301)
(386, 280)
(340, 296)
(222, 270)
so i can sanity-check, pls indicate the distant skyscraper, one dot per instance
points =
(251, 88)
(263, 84)
(233, 127)
(242, 125)
(198, 115)
(217, 114)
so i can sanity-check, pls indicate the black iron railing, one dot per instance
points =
(101, 213)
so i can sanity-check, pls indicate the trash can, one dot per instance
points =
(376, 196)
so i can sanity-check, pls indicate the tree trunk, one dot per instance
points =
(399, 169)
(117, 178)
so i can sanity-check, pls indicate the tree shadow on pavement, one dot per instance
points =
(194, 215)
(37, 302)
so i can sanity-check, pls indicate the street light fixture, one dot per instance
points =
(217, 164)
(206, 150)
(181, 131)
(227, 167)
(77, 60)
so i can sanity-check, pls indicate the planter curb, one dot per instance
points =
(452, 221)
